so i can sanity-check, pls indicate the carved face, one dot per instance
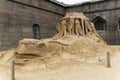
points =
(77, 21)
(63, 22)
(31, 46)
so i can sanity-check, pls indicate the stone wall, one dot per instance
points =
(18, 16)
(109, 11)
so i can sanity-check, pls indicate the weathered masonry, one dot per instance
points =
(22, 18)
(37, 19)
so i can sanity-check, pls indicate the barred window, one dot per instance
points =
(100, 23)
(36, 31)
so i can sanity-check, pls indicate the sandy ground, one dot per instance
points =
(67, 70)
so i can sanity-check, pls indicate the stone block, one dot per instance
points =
(27, 29)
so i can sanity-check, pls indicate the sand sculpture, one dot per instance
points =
(76, 35)
(74, 32)
(76, 38)
(75, 24)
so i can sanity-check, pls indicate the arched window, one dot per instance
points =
(36, 31)
(119, 24)
(100, 23)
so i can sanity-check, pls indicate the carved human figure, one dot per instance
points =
(58, 27)
(92, 32)
(78, 28)
(92, 29)
(62, 29)
(100, 39)
(87, 27)
(82, 25)
(71, 25)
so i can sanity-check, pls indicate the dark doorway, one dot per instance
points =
(36, 31)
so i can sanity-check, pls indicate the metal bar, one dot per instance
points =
(108, 60)
(13, 71)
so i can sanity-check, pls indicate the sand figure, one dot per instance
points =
(92, 27)
(78, 28)
(75, 24)
(58, 27)
(71, 25)
(89, 26)
(82, 25)
(62, 28)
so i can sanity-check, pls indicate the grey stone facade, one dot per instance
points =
(18, 16)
